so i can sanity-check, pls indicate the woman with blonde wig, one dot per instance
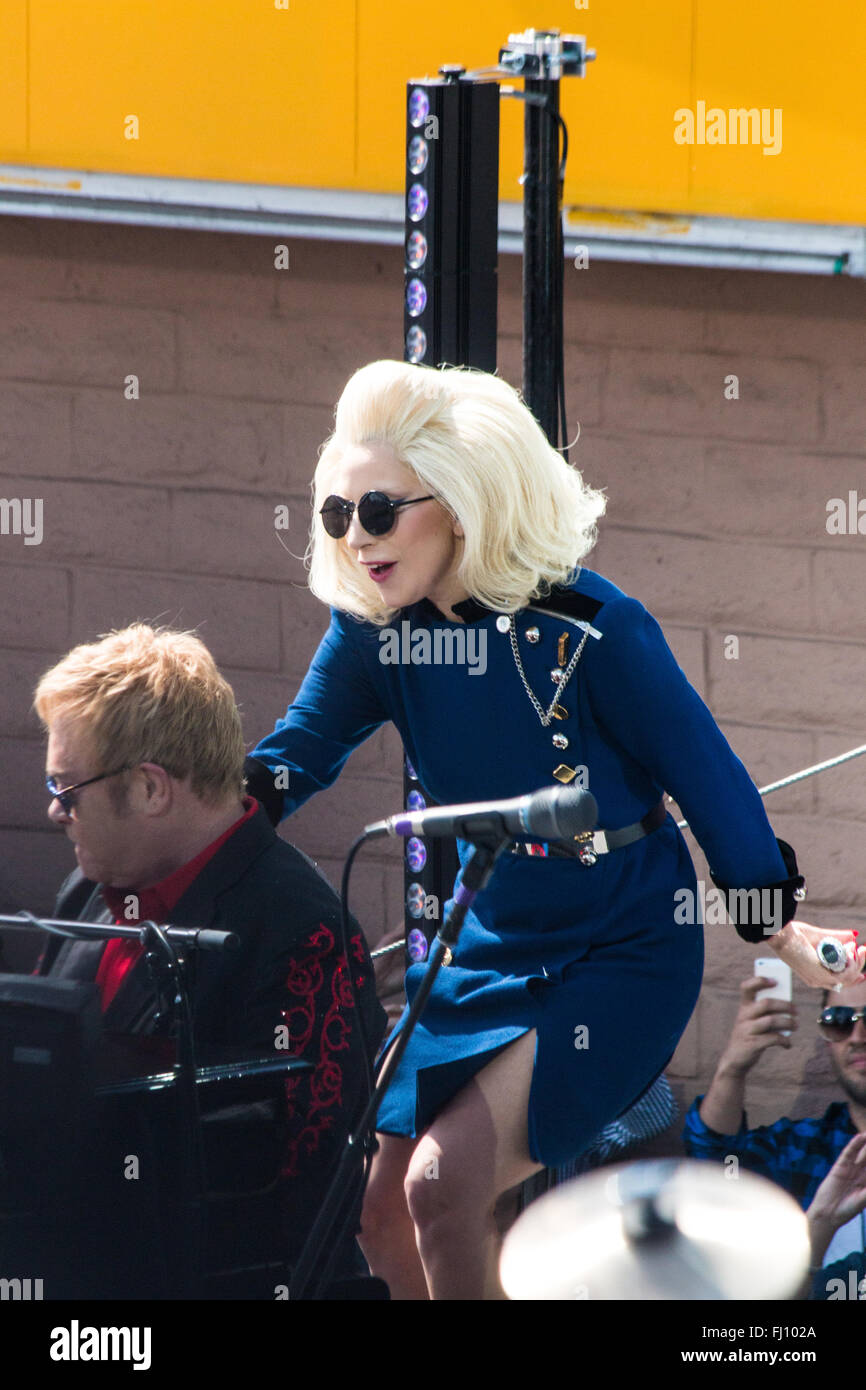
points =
(440, 503)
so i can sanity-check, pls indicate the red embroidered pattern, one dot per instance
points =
(319, 1030)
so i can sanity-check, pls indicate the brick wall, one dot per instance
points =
(163, 507)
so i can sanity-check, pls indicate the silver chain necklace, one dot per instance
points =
(545, 717)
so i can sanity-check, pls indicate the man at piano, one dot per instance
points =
(144, 768)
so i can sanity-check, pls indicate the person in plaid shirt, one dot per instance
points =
(796, 1154)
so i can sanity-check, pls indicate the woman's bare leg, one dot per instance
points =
(387, 1232)
(476, 1148)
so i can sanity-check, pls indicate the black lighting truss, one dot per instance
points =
(449, 308)
(450, 289)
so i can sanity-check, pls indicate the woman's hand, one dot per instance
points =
(796, 945)
(841, 1196)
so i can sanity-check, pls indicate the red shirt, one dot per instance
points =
(153, 904)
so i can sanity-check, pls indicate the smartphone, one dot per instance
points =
(774, 969)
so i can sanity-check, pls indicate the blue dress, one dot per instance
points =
(596, 958)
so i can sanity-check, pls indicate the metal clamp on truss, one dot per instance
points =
(546, 53)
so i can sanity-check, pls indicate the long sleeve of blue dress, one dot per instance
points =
(640, 694)
(336, 708)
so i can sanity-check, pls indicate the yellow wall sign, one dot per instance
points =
(725, 107)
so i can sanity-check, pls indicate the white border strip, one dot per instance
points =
(343, 215)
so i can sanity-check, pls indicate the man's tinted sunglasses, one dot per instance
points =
(66, 795)
(838, 1021)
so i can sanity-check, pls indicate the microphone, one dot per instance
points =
(554, 813)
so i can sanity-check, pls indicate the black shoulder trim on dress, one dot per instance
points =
(560, 600)
(572, 604)
(469, 610)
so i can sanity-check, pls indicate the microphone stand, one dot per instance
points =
(170, 982)
(361, 1143)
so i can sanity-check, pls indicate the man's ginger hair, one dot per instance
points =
(144, 694)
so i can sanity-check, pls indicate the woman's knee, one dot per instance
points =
(440, 1189)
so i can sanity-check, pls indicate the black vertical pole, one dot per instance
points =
(542, 327)
(541, 253)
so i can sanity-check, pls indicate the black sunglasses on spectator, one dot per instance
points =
(837, 1021)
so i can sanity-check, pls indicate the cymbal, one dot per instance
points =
(658, 1229)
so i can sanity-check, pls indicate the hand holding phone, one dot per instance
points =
(774, 969)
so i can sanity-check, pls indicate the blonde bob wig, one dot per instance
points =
(527, 517)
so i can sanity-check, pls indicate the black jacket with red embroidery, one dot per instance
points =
(288, 970)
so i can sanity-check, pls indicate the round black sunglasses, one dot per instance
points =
(377, 513)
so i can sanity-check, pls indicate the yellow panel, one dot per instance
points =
(230, 89)
(13, 79)
(614, 114)
(314, 94)
(807, 64)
